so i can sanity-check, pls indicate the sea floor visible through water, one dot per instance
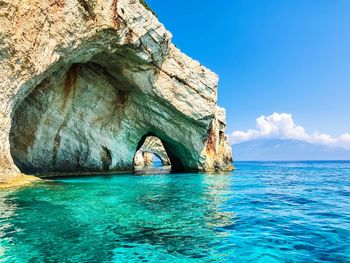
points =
(262, 212)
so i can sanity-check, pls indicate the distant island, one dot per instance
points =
(286, 150)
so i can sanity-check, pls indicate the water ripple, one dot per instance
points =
(264, 212)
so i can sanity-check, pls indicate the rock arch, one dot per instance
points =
(152, 145)
(155, 146)
(176, 153)
(56, 53)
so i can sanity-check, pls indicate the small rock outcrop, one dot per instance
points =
(85, 82)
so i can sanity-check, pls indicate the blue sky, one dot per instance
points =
(289, 56)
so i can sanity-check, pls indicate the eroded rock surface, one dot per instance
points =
(152, 145)
(84, 82)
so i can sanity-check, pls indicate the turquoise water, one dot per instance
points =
(264, 212)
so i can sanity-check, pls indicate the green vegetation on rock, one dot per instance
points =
(147, 7)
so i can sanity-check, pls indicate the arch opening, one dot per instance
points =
(178, 156)
(151, 155)
(88, 118)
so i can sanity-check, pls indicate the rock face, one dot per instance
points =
(84, 82)
(139, 160)
(152, 145)
(148, 158)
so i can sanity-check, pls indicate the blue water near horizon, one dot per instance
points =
(263, 212)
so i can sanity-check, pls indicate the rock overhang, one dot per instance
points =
(173, 96)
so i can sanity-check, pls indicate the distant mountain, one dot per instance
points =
(286, 150)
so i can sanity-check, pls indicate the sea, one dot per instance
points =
(261, 212)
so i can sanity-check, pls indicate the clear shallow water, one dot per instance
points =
(264, 212)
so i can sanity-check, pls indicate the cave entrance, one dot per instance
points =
(151, 156)
(89, 118)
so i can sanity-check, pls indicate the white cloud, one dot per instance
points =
(282, 126)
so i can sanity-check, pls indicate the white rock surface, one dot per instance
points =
(152, 145)
(83, 81)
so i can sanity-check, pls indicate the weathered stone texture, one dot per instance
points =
(152, 145)
(83, 81)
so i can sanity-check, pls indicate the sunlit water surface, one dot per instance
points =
(263, 212)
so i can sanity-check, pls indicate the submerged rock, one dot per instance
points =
(84, 82)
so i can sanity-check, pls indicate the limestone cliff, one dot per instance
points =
(84, 82)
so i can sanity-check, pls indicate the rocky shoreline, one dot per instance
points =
(17, 180)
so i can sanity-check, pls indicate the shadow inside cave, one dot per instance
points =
(152, 158)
